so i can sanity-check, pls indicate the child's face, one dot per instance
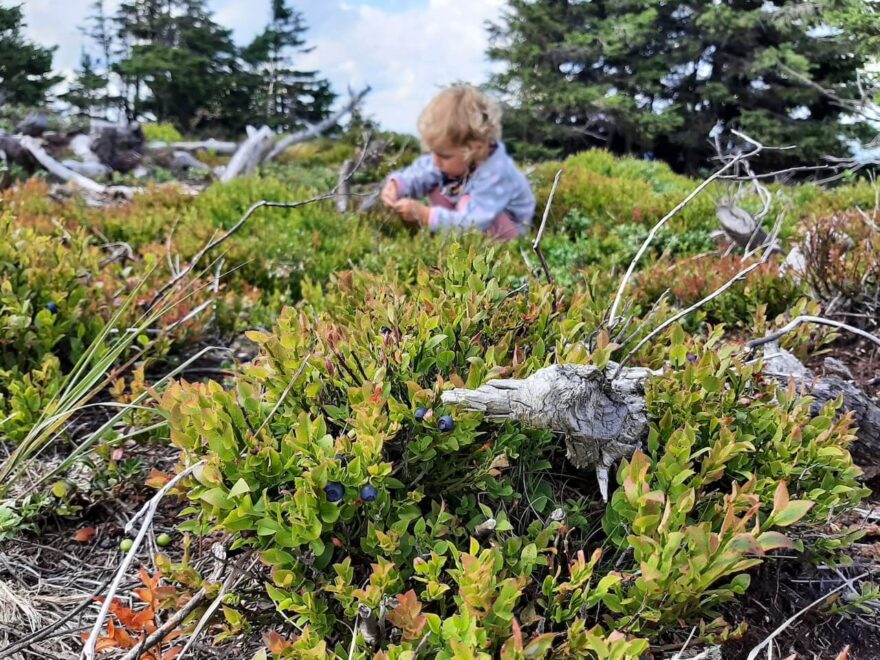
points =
(451, 161)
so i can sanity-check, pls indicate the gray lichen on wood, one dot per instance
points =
(602, 419)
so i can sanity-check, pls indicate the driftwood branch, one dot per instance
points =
(818, 320)
(57, 169)
(319, 128)
(250, 154)
(602, 419)
(602, 413)
(343, 187)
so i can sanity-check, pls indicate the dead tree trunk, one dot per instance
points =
(343, 187)
(319, 128)
(250, 154)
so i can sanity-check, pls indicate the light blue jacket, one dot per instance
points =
(496, 186)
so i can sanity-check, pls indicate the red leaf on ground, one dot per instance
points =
(84, 535)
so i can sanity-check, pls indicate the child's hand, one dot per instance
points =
(390, 193)
(412, 211)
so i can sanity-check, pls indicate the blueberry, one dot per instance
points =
(52, 307)
(420, 414)
(446, 423)
(335, 491)
(691, 358)
(342, 460)
(369, 493)
(385, 330)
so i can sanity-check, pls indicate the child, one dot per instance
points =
(469, 179)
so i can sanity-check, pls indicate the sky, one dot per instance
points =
(404, 49)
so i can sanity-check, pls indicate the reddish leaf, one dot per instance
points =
(275, 642)
(157, 479)
(844, 654)
(408, 616)
(84, 535)
(172, 653)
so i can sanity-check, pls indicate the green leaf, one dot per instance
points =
(240, 488)
(794, 511)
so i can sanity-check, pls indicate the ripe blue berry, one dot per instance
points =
(446, 423)
(420, 414)
(52, 307)
(385, 330)
(335, 491)
(342, 460)
(369, 493)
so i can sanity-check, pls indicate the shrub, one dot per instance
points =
(691, 280)
(330, 407)
(161, 132)
(842, 265)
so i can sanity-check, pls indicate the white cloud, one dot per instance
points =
(405, 49)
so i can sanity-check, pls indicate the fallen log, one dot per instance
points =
(215, 146)
(602, 414)
(34, 125)
(90, 169)
(319, 128)
(57, 169)
(250, 154)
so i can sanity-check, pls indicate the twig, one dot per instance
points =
(536, 246)
(612, 316)
(203, 621)
(175, 620)
(740, 275)
(785, 624)
(147, 512)
(791, 325)
(219, 241)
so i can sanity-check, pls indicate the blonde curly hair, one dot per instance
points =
(461, 117)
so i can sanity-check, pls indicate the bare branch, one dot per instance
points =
(536, 246)
(794, 323)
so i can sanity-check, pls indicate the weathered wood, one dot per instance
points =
(215, 146)
(343, 187)
(57, 169)
(16, 154)
(34, 125)
(602, 420)
(741, 227)
(319, 128)
(782, 365)
(91, 169)
(250, 154)
(121, 148)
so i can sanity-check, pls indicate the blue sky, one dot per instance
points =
(405, 49)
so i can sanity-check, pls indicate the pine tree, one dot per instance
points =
(177, 63)
(25, 68)
(644, 76)
(285, 97)
(88, 92)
